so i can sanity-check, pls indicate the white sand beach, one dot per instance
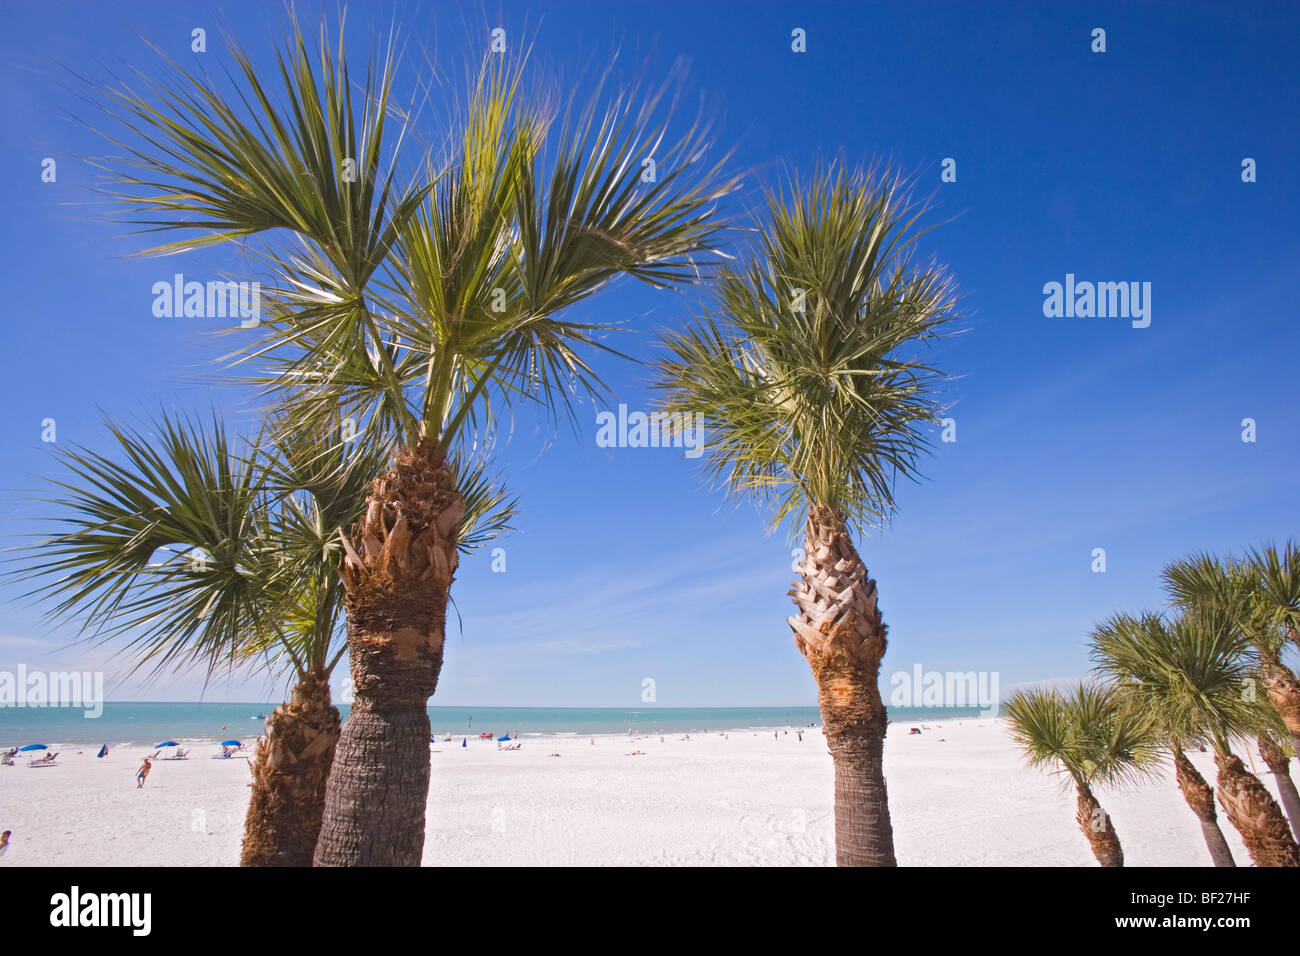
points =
(959, 794)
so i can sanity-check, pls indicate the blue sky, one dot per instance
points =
(1072, 433)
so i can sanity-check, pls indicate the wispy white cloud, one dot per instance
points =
(11, 641)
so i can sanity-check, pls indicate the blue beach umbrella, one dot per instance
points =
(506, 737)
(168, 743)
(32, 747)
(231, 743)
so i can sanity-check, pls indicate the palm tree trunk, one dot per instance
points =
(290, 769)
(1255, 814)
(840, 632)
(1283, 692)
(1200, 797)
(397, 574)
(1096, 826)
(1280, 765)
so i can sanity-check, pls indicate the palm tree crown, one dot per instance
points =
(1090, 733)
(805, 369)
(1191, 674)
(413, 304)
(207, 551)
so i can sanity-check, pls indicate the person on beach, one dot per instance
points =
(4, 841)
(143, 773)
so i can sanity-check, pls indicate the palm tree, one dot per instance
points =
(1275, 622)
(1279, 764)
(1191, 674)
(1126, 645)
(417, 312)
(1094, 737)
(1261, 593)
(806, 378)
(212, 555)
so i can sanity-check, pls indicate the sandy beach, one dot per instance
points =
(959, 795)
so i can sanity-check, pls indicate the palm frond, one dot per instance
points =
(1277, 572)
(162, 541)
(1191, 674)
(465, 310)
(1092, 733)
(489, 506)
(304, 155)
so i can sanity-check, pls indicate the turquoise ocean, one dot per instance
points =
(147, 724)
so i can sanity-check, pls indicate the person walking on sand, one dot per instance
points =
(142, 773)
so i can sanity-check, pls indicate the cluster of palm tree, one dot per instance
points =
(1205, 672)
(205, 551)
(410, 303)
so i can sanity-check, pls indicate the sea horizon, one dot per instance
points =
(148, 723)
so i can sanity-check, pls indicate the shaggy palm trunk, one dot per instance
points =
(290, 769)
(1200, 797)
(1283, 692)
(1255, 814)
(397, 573)
(1280, 765)
(1095, 824)
(840, 632)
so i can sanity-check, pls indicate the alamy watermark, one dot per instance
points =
(74, 908)
(1102, 300)
(83, 689)
(212, 300)
(650, 430)
(921, 688)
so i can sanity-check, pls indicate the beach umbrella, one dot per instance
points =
(168, 743)
(33, 747)
(506, 737)
(231, 743)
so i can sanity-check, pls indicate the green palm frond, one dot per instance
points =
(203, 552)
(1204, 581)
(423, 310)
(1091, 733)
(1116, 742)
(1261, 592)
(312, 154)
(313, 457)
(498, 254)
(807, 373)
(1277, 572)
(1039, 726)
(489, 506)
(164, 542)
(1192, 674)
